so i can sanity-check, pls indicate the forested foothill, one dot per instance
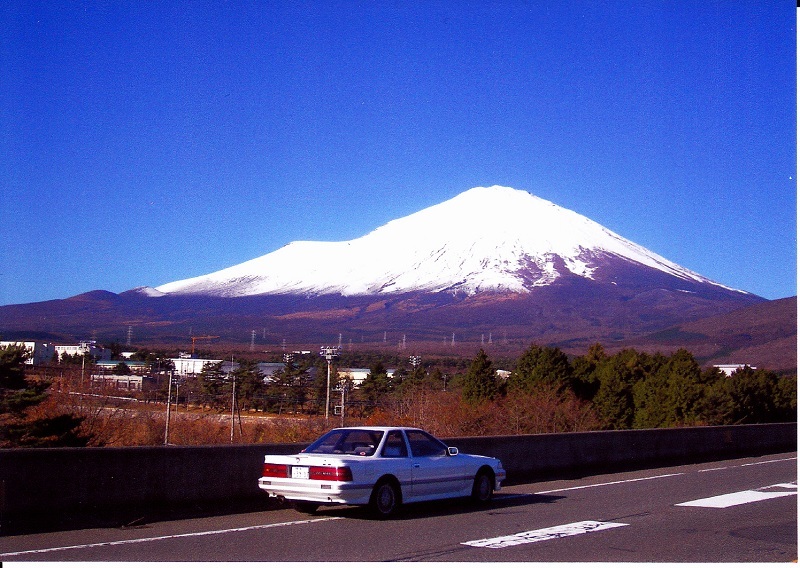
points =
(543, 390)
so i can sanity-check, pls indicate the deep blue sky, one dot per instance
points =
(145, 142)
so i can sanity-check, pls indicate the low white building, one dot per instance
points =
(358, 376)
(269, 370)
(187, 367)
(136, 367)
(83, 348)
(39, 352)
(124, 382)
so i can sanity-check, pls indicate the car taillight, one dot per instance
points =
(274, 470)
(330, 473)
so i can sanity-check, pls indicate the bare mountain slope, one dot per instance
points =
(763, 335)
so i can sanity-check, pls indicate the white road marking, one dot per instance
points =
(498, 497)
(164, 537)
(746, 464)
(539, 535)
(608, 483)
(743, 497)
(768, 461)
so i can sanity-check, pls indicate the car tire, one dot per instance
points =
(385, 499)
(483, 487)
(305, 507)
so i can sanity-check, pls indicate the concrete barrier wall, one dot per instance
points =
(549, 455)
(48, 483)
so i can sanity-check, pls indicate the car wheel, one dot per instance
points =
(305, 507)
(483, 488)
(385, 499)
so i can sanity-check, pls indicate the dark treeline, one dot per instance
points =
(543, 391)
(632, 389)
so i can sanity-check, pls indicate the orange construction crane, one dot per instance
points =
(196, 337)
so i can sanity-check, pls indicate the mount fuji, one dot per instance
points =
(491, 262)
(487, 239)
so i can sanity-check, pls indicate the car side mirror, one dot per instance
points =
(452, 451)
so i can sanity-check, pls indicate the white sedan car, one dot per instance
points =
(382, 467)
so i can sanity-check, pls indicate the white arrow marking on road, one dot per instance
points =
(743, 497)
(539, 535)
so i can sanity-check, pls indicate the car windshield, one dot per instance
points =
(351, 442)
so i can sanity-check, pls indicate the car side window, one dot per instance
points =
(424, 445)
(395, 446)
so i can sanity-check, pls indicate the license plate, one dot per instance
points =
(299, 473)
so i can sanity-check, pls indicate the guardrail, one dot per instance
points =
(42, 488)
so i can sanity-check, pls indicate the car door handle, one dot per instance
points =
(415, 465)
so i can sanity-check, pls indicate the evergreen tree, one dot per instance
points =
(376, 385)
(116, 350)
(749, 397)
(320, 386)
(18, 396)
(12, 367)
(685, 388)
(584, 372)
(211, 381)
(784, 399)
(480, 382)
(249, 383)
(541, 366)
(716, 404)
(617, 375)
(288, 384)
(669, 393)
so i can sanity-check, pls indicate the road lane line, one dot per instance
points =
(742, 497)
(500, 497)
(561, 531)
(164, 537)
(746, 464)
(608, 483)
(769, 461)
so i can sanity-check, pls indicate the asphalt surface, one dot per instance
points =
(742, 510)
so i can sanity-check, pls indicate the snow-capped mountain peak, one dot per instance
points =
(484, 239)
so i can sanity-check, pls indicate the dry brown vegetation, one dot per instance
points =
(113, 420)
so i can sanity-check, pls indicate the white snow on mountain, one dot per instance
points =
(148, 291)
(485, 239)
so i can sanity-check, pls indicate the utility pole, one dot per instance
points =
(233, 403)
(83, 370)
(329, 353)
(169, 406)
(344, 387)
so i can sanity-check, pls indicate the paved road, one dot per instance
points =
(730, 511)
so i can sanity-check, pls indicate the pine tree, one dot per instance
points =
(670, 393)
(617, 375)
(376, 384)
(584, 372)
(480, 382)
(18, 396)
(541, 366)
